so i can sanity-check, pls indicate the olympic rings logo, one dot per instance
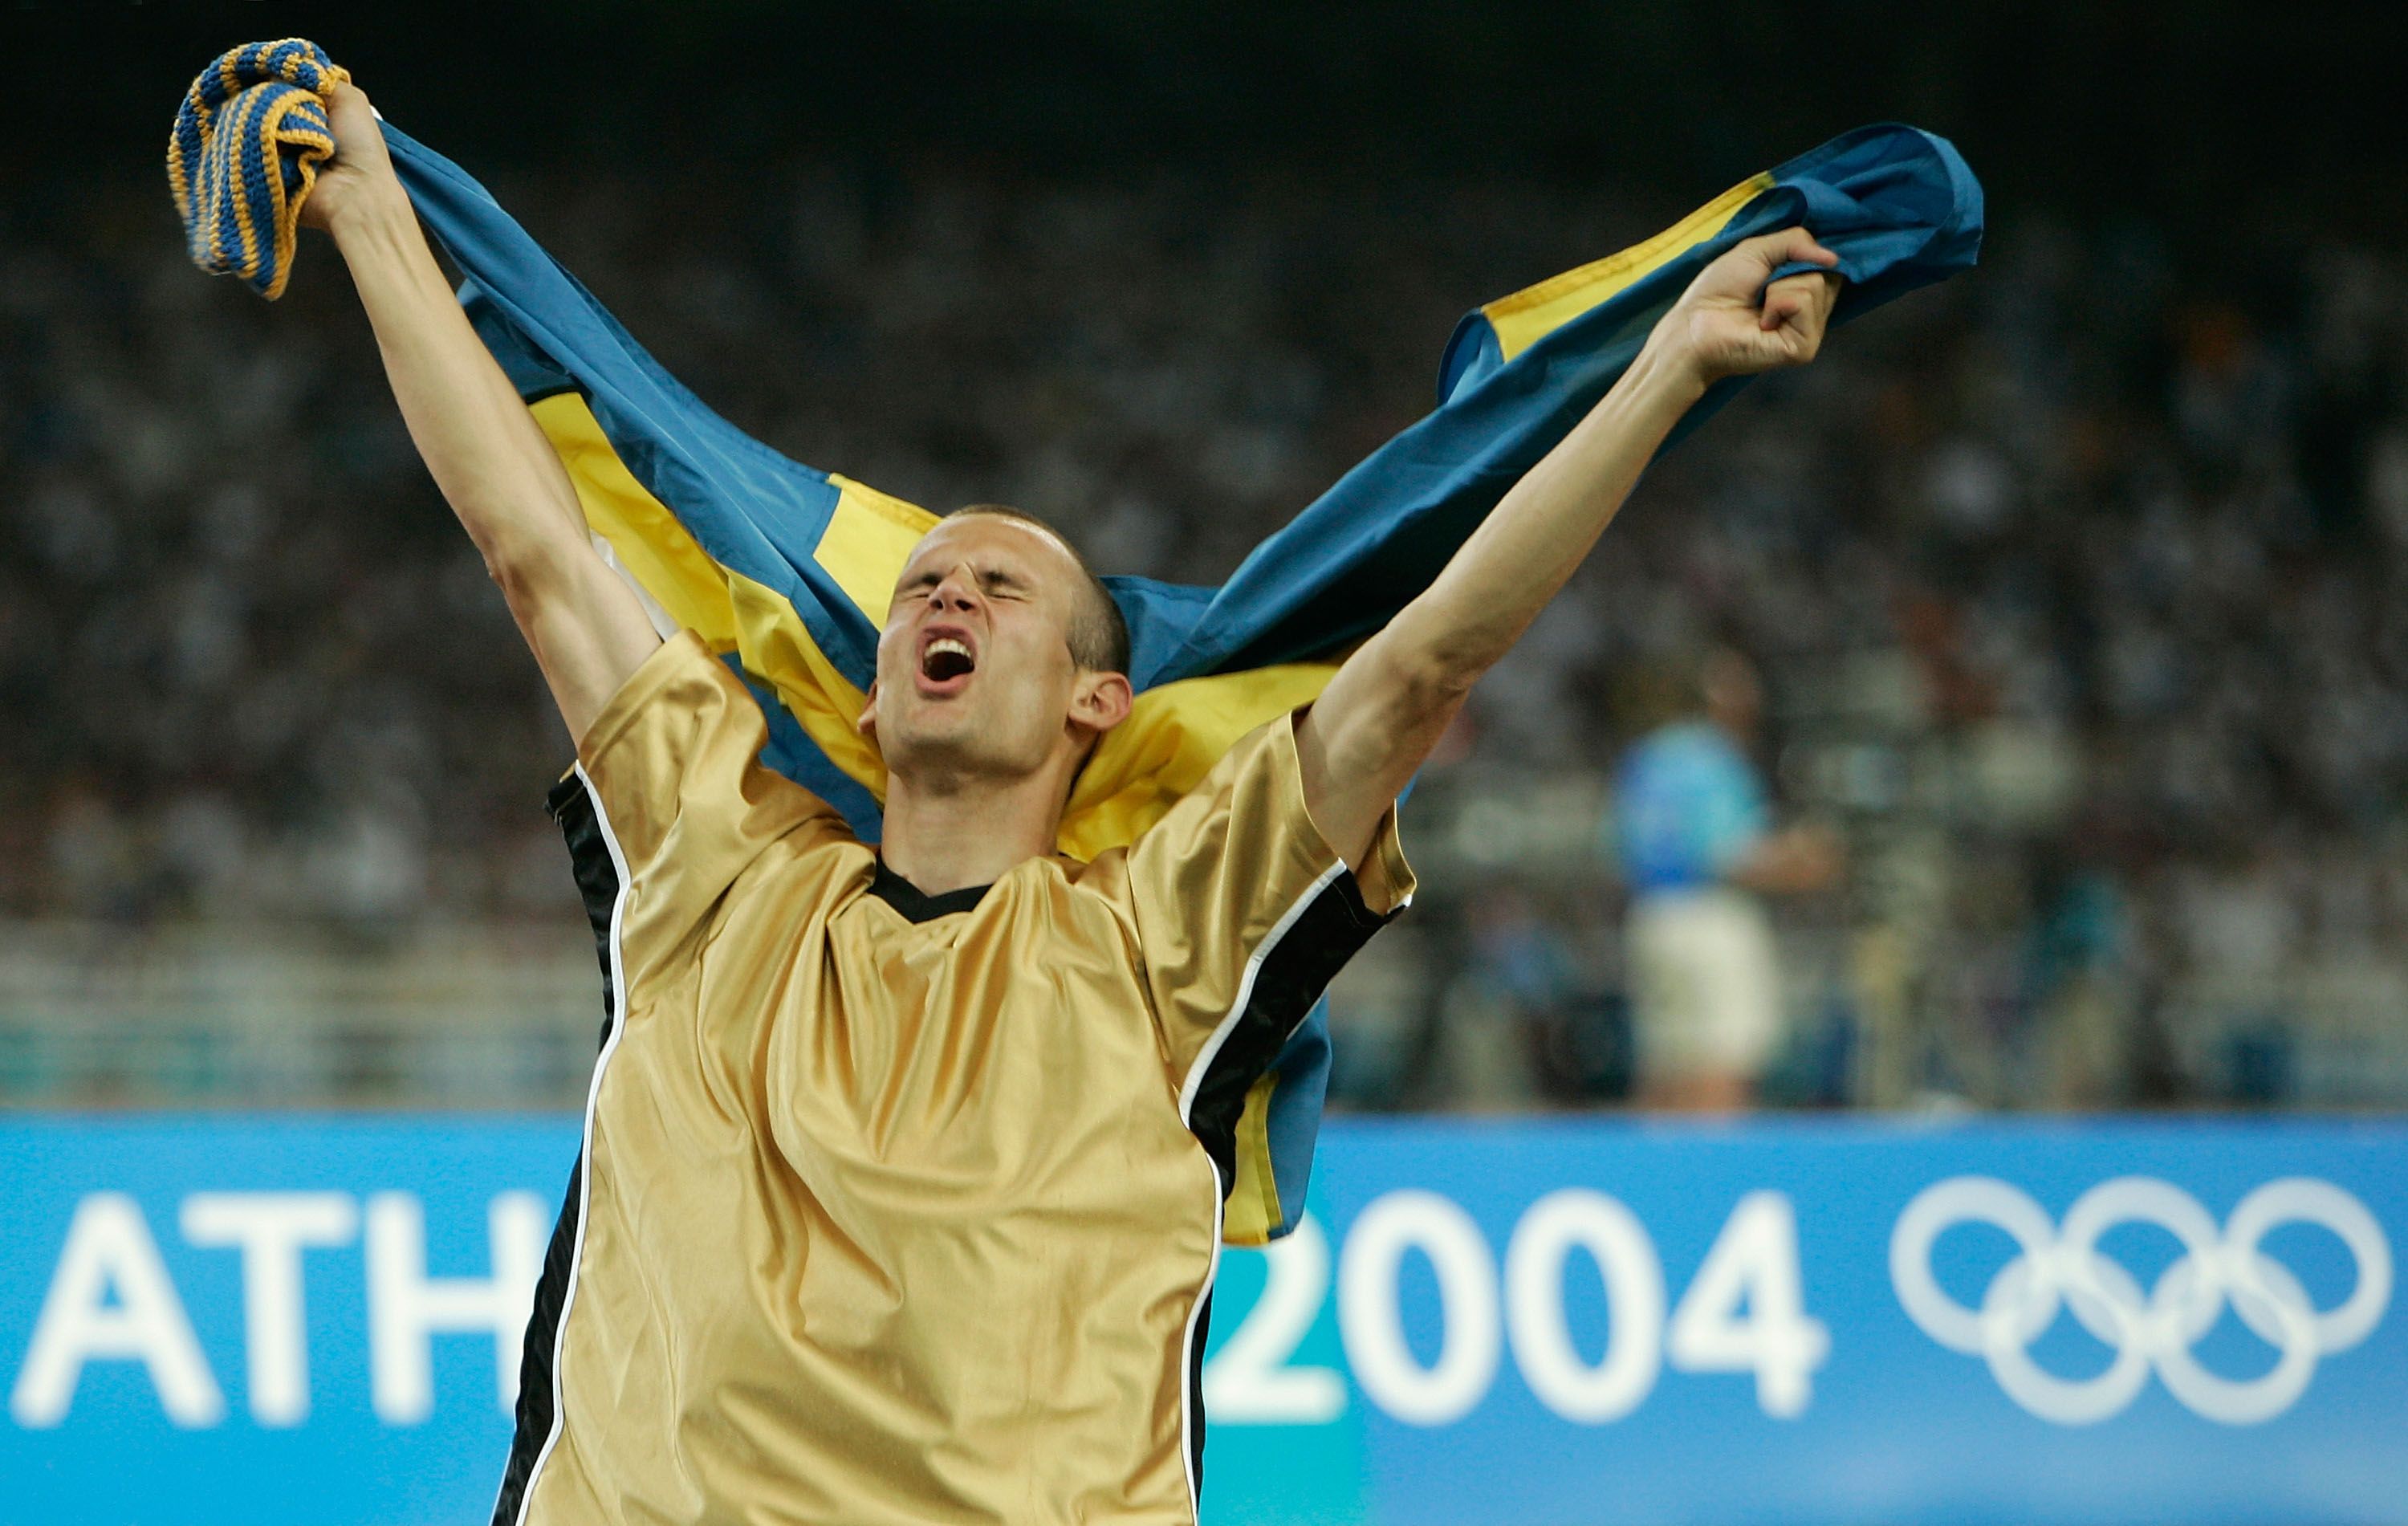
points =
(2158, 1329)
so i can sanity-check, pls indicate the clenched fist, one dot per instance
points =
(1730, 323)
(360, 168)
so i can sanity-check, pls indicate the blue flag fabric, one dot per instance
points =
(786, 568)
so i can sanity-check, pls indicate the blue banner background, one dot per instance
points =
(1890, 1424)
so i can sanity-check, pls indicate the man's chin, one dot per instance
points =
(952, 743)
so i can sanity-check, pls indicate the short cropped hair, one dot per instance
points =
(1099, 634)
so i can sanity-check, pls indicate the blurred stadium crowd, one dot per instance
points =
(2073, 587)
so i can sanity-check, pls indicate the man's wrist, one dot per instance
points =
(369, 213)
(1664, 373)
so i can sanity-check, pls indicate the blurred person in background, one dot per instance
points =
(1506, 1007)
(2080, 973)
(1692, 833)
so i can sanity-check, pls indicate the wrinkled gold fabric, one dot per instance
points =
(889, 1221)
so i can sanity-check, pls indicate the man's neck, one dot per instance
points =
(971, 832)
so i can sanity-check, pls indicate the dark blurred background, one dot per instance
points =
(2071, 589)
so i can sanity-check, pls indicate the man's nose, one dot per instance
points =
(958, 590)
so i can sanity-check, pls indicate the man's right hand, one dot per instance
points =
(360, 168)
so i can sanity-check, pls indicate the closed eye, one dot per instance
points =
(994, 582)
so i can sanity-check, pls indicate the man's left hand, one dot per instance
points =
(1730, 323)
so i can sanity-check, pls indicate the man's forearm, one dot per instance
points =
(486, 452)
(585, 626)
(1541, 530)
(1387, 704)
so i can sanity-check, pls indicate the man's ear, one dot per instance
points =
(1101, 701)
(867, 722)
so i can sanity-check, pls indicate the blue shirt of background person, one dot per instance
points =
(1687, 809)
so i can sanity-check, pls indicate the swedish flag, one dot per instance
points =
(786, 570)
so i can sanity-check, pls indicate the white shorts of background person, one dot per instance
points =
(1705, 996)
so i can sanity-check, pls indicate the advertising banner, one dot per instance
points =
(1540, 1323)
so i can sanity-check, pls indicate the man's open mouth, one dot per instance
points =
(945, 661)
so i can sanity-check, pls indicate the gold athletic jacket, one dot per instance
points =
(894, 1207)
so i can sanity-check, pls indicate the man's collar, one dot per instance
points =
(917, 905)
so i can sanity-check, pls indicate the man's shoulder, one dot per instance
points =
(808, 857)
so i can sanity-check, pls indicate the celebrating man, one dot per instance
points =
(904, 1164)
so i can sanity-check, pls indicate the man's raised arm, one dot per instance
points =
(588, 630)
(1384, 709)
